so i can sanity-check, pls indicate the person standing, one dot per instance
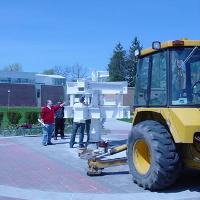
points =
(87, 127)
(59, 122)
(78, 123)
(47, 117)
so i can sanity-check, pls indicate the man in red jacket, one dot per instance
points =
(47, 117)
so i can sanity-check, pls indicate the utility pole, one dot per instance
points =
(8, 99)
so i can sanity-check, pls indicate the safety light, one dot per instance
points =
(184, 38)
(137, 52)
(178, 43)
(156, 45)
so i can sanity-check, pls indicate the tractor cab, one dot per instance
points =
(168, 75)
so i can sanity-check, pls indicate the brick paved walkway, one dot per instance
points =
(29, 170)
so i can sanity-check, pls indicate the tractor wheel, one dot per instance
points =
(152, 156)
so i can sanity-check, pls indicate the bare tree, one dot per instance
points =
(15, 67)
(78, 71)
(71, 73)
(62, 70)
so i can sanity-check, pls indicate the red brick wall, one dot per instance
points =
(53, 93)
(20, 94)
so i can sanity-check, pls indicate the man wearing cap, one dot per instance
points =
(78, 123)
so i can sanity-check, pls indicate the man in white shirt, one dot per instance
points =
(78, 123)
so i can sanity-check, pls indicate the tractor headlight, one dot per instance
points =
(156, 45)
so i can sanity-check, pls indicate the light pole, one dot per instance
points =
(9, 99)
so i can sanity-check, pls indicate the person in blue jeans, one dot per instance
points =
(47, 118)
(78, 123)
(87, 127)
(47, 133)
(75, 127)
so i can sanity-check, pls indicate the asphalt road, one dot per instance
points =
(29, 170)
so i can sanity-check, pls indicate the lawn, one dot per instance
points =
(126, 120)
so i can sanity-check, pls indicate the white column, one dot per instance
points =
(95, 130)
(72, 99)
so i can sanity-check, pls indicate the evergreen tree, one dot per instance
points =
(50, 71)
(131, 62)
(116, 67)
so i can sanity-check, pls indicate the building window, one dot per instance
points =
(24, 80)
(158, 94)
(59, 81)
(81, 89)
(142, 80)
(19, 80)
(4, 80)
(38, 93)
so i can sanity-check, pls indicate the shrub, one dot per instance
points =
(31, 117)
(1, 118)
(14, 117)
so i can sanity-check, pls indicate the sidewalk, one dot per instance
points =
(114, 124)
(29, 170)
(116, 130)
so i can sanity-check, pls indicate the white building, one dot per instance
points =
(31, 78)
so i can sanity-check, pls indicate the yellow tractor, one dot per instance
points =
(165, 135)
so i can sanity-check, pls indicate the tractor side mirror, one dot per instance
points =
(156, 45)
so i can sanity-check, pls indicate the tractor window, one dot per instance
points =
(158, 95)
(142, 82)
(185, 64)
(195, 82)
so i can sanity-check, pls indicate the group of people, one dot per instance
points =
(51, 115)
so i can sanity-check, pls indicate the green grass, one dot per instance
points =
(22, 110)
(126, 120)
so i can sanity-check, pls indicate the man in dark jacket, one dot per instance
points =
(59, 122)
(47, 117)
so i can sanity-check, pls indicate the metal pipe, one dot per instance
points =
(113, 151)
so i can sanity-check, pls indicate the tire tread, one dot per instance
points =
(166, 167)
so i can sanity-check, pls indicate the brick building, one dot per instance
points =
(30, 89)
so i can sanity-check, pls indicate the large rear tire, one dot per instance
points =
(152, 156)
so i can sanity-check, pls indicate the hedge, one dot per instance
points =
(14, 117)
(22, 110)
(31, 117)
(20, 116)
(1, 118)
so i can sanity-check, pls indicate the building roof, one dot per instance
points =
(52, 76)
(17, 73)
